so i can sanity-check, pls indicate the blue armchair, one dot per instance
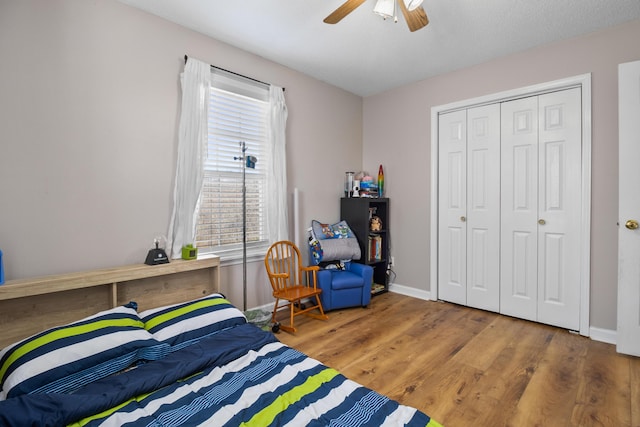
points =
(341, 287)
(350, 287)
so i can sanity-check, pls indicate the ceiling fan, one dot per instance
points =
(413, 13)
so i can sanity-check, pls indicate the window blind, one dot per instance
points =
(238, 111)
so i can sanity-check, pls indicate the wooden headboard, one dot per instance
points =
(28, 306)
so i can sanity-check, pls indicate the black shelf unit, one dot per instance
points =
(357, 211)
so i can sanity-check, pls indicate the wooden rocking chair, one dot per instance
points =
(291, 282)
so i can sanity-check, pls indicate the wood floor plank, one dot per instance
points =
(475, 400)
(605, 384)
(365, 337)
(555, 383)
(514, 363)
(389, 359)
(448, 395)
(467, 367)
(481, 350)
(634, 368)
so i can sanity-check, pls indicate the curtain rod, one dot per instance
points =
(234, 73)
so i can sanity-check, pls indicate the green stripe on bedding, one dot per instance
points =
(162, 318)
(267, 415)
(65, 332)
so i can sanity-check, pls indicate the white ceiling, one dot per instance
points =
(366, 55)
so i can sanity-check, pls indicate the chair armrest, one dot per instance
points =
(324, 279)
(360, 269)
(310, 268)
(366, 272)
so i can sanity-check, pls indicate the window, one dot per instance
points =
(238, 111)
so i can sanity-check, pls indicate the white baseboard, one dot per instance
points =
(409, 291)
(604, 335)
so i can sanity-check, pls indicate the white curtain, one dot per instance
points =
(192, 134)
(278, 213)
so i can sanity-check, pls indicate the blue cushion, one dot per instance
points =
(341, 279)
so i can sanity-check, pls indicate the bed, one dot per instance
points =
(197, 362)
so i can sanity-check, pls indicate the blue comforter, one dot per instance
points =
(240, 375)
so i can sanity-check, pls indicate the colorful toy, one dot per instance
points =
(380, 182)
(375, 224)
(316, 249)
(327, 231)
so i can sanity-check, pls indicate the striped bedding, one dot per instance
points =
(238, 376)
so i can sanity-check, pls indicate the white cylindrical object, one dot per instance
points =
(348, 184)
(385, 8)
(296, 216)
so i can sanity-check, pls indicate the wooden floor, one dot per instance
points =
(467, 367)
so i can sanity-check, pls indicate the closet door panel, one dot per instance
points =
(523, 274)
(519, 207)
(483, 207)
(560, 142)
(552, 268)
(452, 229)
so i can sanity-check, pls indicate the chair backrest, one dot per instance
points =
(282, 262)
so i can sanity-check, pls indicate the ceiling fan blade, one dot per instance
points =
(345, 9)
(416, 18)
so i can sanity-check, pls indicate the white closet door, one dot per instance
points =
(452, 230)
(519, 208)
(559, 208)
(483, 207)
(541, 210)
(629, 210)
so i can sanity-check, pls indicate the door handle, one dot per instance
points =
(632, 224)
(542, 222)
(463, 219)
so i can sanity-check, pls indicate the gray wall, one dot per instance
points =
(89, 105)
(402, 117)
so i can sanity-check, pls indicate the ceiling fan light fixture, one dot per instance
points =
(385, 8)
(415, 18)
(412, 4)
